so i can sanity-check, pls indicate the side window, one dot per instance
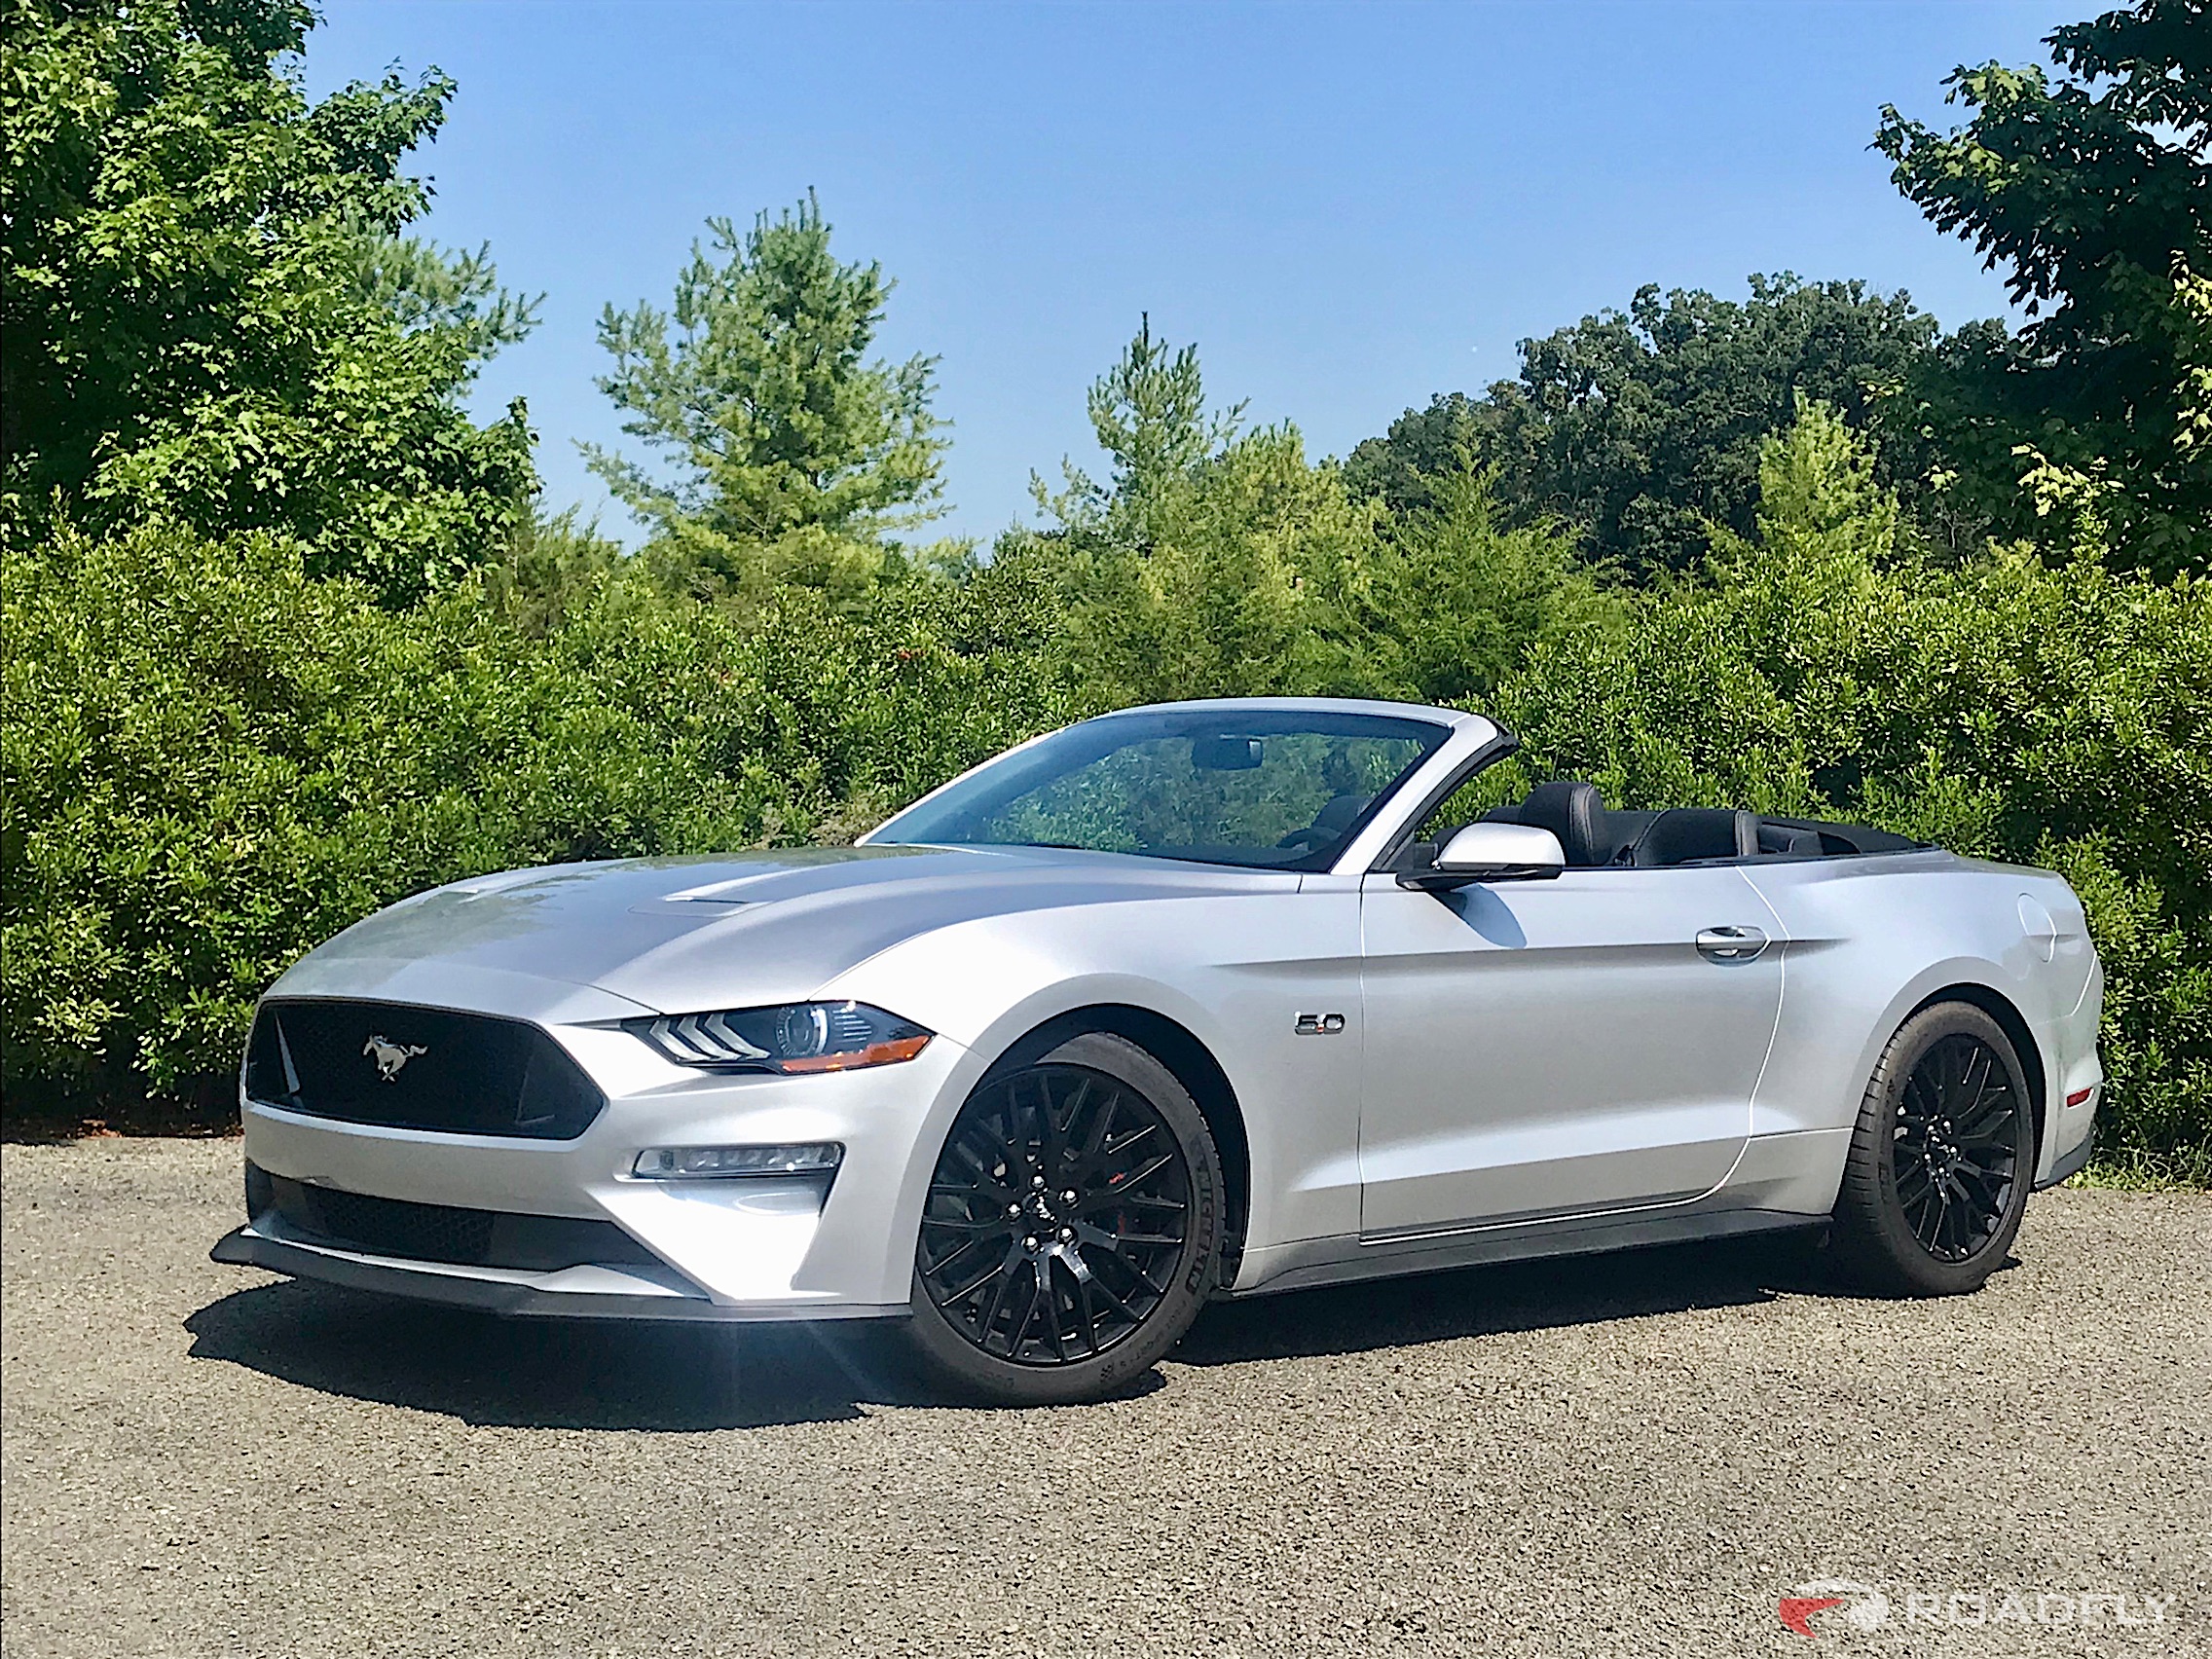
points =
(1469, 799)
(1490, 787)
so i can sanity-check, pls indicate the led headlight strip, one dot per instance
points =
(794, 1038)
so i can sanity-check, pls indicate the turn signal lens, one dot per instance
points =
(795, 1038)
(883, 1054)
(692, 1162)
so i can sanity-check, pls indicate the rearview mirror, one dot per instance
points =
(1225, 753)
(1491, 852)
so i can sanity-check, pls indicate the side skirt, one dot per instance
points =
(1346, 1259)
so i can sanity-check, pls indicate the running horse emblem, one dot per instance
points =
(389, 1056)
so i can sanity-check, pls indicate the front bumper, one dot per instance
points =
(744, 1248)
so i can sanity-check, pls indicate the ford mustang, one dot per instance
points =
(1205, 999)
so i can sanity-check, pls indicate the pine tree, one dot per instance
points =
(794, 457)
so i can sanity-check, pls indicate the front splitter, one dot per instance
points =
(614, 1293)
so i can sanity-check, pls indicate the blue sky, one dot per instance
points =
(1347, 208)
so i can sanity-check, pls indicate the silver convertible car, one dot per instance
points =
(1205, 1000)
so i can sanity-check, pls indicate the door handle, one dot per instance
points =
(1730, 943)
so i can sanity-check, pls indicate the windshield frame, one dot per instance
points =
(1432, 729)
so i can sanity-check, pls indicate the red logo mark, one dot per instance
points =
(1798, 1610)
(1863, 1608)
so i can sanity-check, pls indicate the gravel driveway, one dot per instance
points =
(1633, 1455)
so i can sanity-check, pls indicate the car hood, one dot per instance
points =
(682, 934)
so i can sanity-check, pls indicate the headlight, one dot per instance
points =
(796, 1037)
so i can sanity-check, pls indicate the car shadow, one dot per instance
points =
(604, 1374)
(644, 1377)
(1505, 1296)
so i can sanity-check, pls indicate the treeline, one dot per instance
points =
(289, 635)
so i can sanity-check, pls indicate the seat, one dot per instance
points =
(1337, 814)
(1684, 834)
(1575, 812)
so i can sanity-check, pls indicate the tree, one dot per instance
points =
(1463, 598)
(212, 314)
(1212, 561)
(2095, 193)
(1217, 561)
(794, 456)
(1640, 429)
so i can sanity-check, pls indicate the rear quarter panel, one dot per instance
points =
(1871, 939)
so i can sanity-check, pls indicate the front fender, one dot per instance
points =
(1233, 971)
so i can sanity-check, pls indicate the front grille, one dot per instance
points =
(417, 1068)
(437, 1233)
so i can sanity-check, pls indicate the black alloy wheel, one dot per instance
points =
(1071, 1227)
(1955, 1151)
(1941, 1159)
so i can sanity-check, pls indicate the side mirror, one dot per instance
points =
(1491, 852)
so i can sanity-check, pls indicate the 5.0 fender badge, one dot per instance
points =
(1318, 1025)
(390, 1056)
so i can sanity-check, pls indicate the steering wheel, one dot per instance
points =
(1308, 838)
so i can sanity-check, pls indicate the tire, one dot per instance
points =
(1941, 1161)
(1025, 1297)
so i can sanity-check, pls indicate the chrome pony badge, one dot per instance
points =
(390, 1056)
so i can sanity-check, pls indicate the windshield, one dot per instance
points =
(1269, 788)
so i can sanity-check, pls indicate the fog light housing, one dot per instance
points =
(715, 1163)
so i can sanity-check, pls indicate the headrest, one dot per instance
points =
(1337, 816)
(1575, 813)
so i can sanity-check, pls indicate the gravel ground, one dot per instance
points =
(1635, 1455)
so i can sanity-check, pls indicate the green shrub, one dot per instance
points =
(213, 761)
(2051, 714)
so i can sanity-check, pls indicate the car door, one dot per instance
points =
(1546, 1048)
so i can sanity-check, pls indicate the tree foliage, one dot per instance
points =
(2094, 193)
(193, 331)
(1642, 428)
(1215, 559)
(793, 455)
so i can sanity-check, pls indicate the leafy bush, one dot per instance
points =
(2058, 714)
(213, 761)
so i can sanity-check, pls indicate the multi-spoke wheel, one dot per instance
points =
(1071, 1228)
(1941, 1159)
